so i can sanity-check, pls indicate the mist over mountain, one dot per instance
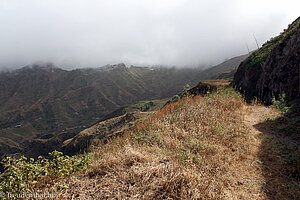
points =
(152, 99)
(87, 33)
(42, 101)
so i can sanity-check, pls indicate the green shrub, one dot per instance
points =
(281, 103)
(25, 175)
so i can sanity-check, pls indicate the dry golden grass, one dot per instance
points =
(188, 150)
(196, 148)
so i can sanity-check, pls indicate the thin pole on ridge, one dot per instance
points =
(256, 41)
(247, 48)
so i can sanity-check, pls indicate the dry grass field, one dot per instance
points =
(210, 147)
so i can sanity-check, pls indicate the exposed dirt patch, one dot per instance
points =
(278, 155)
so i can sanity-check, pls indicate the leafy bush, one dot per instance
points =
(280, 103)
(25, 175)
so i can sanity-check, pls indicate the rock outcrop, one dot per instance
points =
(281, 70)
(272, 70)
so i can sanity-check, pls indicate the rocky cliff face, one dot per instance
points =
(273, 69)
(281, 70)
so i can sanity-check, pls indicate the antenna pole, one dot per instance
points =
(247, 48)
(256, 41)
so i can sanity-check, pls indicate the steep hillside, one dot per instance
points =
(39, 103)
(214, 146)
(224, 70)
(272, 70)
(73, 142)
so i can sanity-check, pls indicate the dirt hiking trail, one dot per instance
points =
(268, 168)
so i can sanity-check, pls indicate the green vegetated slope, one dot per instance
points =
(199, 147)
(226, 69)
(272, 70)
(35, 101)
(160, 157)
(40, 102)
(116, 124)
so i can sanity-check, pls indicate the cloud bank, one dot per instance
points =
(92, 33)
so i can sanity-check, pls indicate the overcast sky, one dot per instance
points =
(92, 33)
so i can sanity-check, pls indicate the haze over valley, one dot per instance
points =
(152, 99)
(80, 34)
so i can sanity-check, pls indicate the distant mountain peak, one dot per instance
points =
(41, 100)
(112, 67)
(49, 67)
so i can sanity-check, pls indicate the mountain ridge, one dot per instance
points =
(44, 101)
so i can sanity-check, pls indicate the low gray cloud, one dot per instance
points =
(92, 33)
